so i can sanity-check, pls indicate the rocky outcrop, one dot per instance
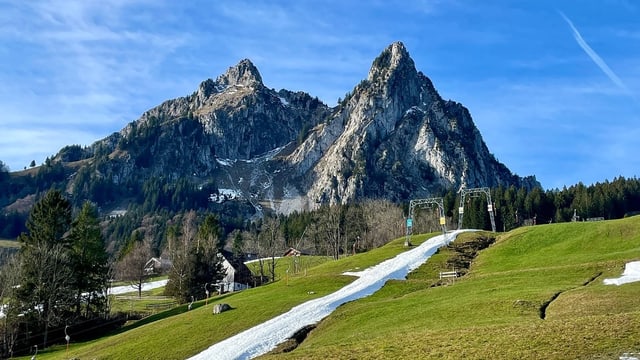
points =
(220, 308)
(391, 137)
(233, 117)
(394, 137)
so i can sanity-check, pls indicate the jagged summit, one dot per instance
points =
(243, 74)
(393, 137)
(395, 58)
(396, 138)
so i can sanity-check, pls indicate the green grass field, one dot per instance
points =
(494, 312)
(177, 334)
(536, 293)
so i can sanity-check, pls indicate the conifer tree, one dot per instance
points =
(49, 220)
(209, 232)
(46, 287)
(89, 261)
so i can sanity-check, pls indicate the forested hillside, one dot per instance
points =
(176, 220)
(515, 207)
(160, 203)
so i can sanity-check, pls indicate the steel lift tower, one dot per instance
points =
(421, 203)
(475, 193)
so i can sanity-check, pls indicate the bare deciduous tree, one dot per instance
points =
(132, 266)
(194, 257)
(271, 244)
(10, 277)
(189, 228)
(179, 238)
(384, 222)
(426, 219)
(329, 229)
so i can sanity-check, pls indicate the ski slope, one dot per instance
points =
(631, 274)
(266, 336)
(118, 290)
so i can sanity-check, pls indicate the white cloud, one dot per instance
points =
(84, 67)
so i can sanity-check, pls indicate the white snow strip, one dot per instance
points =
(266, 156)
(264, 337)
(263, 259)
(117, 291)
(631, 274)
(145, 287)
(225, 162)
(629, 356)
(413, 109)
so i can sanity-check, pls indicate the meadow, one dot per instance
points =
(537, 292)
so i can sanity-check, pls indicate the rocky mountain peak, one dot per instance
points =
(395, 58)
(397, 138)
(392, 137)
(243, 74)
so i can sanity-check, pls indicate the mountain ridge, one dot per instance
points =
(397, 115)
(391, 137)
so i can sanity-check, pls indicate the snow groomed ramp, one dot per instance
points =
(262, 338)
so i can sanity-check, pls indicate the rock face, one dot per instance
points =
(392, 137)
(234, 117)
(395, 137)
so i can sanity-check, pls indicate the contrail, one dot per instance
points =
(594, 56)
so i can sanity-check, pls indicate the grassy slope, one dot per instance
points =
(178, 334)
(494, 311)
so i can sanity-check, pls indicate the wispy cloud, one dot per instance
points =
(594, 56)
(541, 123)
(79, 68)
(73, 71)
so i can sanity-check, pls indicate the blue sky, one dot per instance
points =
(553, 86)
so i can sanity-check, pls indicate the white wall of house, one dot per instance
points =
(228, 282)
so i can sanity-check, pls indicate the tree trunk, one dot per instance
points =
(272, 268)
(78, 302)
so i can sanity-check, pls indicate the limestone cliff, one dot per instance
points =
(391, 137)
(394, 137)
